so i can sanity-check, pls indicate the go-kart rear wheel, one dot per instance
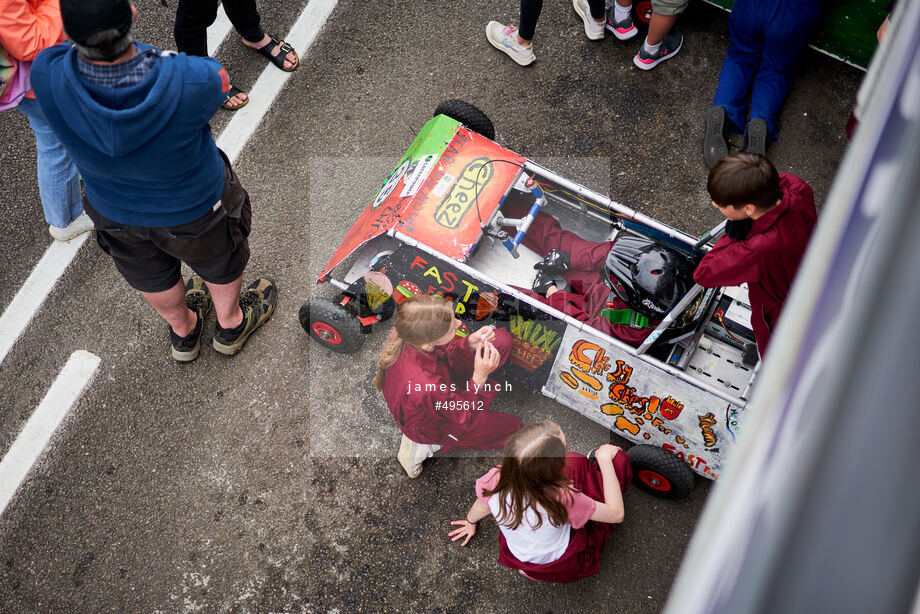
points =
(332, 325)
(659, 472)
(468, 115)
(643, 10)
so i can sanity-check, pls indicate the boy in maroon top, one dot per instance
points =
(770, 219)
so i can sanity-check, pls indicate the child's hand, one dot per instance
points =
(485, 361)
(606, 453)
(486, 333)
(468, 530)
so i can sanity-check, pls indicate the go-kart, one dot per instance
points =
(437, 225)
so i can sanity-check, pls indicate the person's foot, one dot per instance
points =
(81, 224)
(411, 455)
(236, 99)
(715, 147)
(291, 60)
(504, 38)
(623, 29)
(257, 303)
(593, 29)
(198, 299)
(755, 136)
(667, 49)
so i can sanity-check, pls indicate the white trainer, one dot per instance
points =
(593, 29)
(411, 455)
(504, 38)
(74, 229)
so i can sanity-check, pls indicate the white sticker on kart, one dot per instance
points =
(417, 174)
(739, 313)
(441, 189)
(390, 184)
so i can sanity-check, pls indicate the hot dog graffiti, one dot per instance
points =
(615, 391)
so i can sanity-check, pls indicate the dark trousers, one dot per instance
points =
(767, 41)
(194, 16)
(530, 13)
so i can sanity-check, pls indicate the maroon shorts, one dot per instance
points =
(215, 245)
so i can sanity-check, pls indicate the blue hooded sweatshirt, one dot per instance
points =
(145, 152)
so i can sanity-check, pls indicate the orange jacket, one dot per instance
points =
(28, 26)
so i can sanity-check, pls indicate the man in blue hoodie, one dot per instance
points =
(160, 192)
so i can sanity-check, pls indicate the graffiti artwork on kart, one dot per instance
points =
(640, 402)
(409, 271)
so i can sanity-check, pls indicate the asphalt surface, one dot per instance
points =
(268, 481)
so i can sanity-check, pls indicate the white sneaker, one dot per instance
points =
(74, 229)
(504, 38)
(593, 29)
(411, 455)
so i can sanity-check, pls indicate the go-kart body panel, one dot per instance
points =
(640, 401)
(442, 190)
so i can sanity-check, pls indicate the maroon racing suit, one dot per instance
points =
(589, 294)
(434, 400)
(582, 558)
(767, 259)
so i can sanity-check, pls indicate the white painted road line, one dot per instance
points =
(218, 31)
(266, 89)
(28, 446)
(25, 304)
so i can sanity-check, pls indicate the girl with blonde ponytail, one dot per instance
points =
(437, 384)
(554, 508)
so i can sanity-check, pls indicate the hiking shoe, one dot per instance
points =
(504, 38)
(411, 455)
(624, 29)
(258, 304)
(198, 299)
(668, 48)
(755, 136)
(74, 229)
(715, 147)
(593, 30)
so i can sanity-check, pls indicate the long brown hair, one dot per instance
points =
(532, 474)
(420, 319)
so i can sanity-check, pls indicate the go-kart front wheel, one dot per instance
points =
(332, 325)
(468, 115)
(659, 472)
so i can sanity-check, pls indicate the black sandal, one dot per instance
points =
(233, 92)
(278, 60)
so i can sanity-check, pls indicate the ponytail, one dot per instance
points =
(388, 356)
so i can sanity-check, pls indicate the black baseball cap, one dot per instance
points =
(84, 18)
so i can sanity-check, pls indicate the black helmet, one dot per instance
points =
(653, 277)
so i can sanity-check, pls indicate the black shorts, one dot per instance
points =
(215, 245)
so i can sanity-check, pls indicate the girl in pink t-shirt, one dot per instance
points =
(543, 499)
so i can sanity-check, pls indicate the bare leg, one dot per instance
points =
(659, 26)
(170, 304)
(226, 299)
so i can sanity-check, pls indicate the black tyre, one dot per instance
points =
(332, 325)
(659, 472)
(468, 115)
